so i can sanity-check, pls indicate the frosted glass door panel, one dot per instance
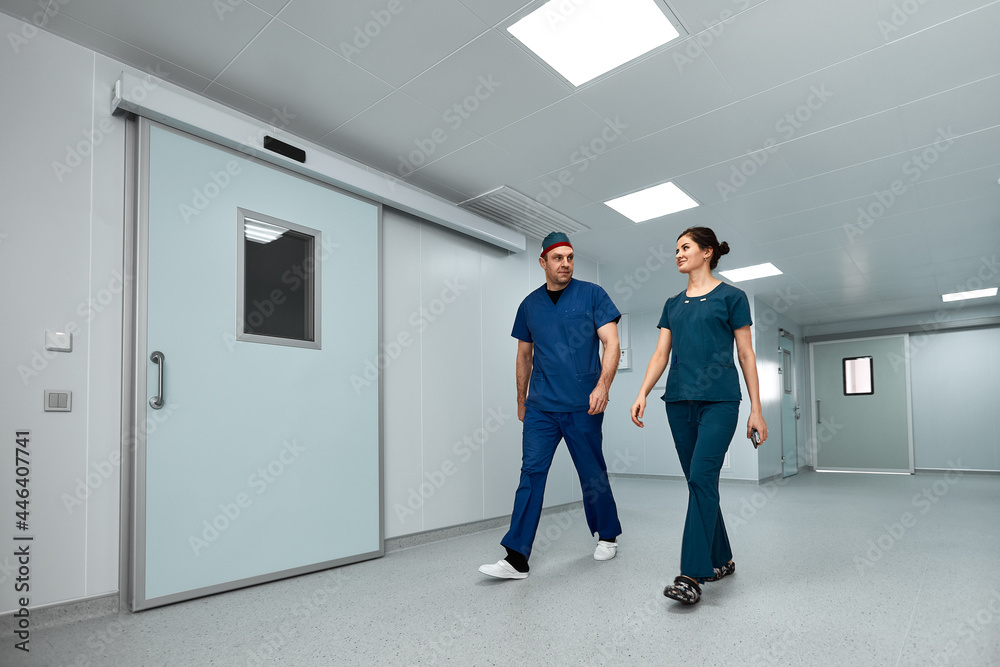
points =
(264, 461)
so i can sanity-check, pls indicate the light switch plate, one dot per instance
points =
(58, 341)
(58, 400)
(625, 360)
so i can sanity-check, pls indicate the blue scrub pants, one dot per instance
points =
(541, 435)
(702, 432)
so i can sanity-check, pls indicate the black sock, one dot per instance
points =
(517, 560)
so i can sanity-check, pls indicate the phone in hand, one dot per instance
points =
(755, 438)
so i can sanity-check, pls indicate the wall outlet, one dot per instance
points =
(624, 360)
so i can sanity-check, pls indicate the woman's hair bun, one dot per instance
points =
(723, 248)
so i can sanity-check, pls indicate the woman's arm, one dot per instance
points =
(748, 362)
(657, 364)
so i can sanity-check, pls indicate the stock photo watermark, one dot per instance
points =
(75, 154)
(581, 158)
(698, 44)
(259, 482)
(39, 20)
(418, 320)
(88, 310)
(913, 169)
(923, 501)
(455, 116)
(269, 649)
(899, 16)
(371, 30)
(786, 127)
(463, 450)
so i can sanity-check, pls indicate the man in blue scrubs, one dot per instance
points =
(558, 327)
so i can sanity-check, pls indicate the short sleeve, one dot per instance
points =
(520, 330)
(604, 308)
(739, 310)
(664, 318)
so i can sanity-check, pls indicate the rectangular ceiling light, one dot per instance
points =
(974, 294)
(583, 40)
(751, 272)
(653, 202)
(261, 232)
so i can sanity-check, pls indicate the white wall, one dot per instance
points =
(955, 379)
(61, 245)
(953, 384)
(452, 437)
(61, 242)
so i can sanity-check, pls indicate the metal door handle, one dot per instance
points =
(161, 361)
(819, 420)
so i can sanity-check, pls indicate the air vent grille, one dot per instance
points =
(512, 209)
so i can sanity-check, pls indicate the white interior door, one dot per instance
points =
(862, 392)
(789, 408)
(257, 291)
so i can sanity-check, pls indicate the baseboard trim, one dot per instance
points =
(450, 532)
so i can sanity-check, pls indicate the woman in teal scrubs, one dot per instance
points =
(702, 399)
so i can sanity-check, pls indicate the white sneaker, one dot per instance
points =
(605, 550)
(502, 570)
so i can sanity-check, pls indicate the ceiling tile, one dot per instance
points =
(113, 47)
(709, 139)
(395, 41)
(398, 135)
(213, 33)
(494, 11)
(474, 169)
(658, 92)
(939, 58)
(281, 117)
(924, 120)
(701, 14)
(975, 184)
(761, 170)
(272, 7)
(560, 135)
(901, 19)
(284, 67)
(818, 33)
(845, 145)
(489, 83)
(849, 90)
(890, 254)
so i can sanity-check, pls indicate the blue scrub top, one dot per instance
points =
(701, 329)
(566, 364)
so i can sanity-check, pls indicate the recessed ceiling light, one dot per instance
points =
(653, 202)
(974, 294)
(261, 232)
(751, 272)
(583, 40)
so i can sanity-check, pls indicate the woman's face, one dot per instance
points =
(689, 256)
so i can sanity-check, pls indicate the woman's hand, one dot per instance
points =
(638, 408)
(756, 421)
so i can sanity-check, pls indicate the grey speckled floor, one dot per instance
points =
(832, 569)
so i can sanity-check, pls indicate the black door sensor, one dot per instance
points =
(281, 148)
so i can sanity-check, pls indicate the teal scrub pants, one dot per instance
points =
(702, 432)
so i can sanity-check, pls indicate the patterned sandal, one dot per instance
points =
(684, 589)
(723, 571)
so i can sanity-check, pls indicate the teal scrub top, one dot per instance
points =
(566, 363)
(701, 329)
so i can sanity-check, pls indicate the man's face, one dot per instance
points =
(558, 265)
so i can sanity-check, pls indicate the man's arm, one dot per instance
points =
(525, 355)
(609, 366)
